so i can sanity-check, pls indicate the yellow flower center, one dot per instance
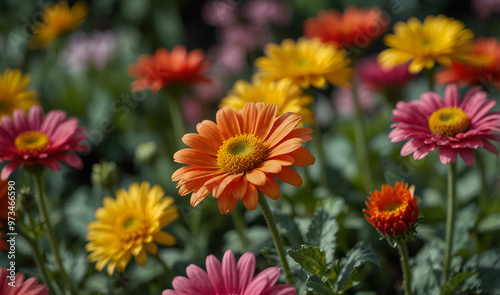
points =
(132, 227)
(392, 207)
(130, 222)
(30, 141)
(241, 153)
(448, 121)
(300, 62)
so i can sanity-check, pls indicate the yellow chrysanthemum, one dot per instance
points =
(13, 92)
(307, 62)
(56, 19)
(130, 225)
(439, 39)
(286, 95)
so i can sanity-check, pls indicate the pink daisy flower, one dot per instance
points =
(32, 139)
(229, 278)
(22, 287)
(371, 73)
(452, 125)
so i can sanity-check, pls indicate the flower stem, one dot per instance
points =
(360, 142)
(405, 266)
(167, 270)
(52, 240)
(175, 111)
(450, 219)
(278, 243)
(430, 78)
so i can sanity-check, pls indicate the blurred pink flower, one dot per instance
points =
(343, 101)
(452, 125)
(220, 12)
(239, 35)
(370, 73)
(485, 8)
(230, 278)
(193, 109)
(209, 92)
(265, 12)
(34, 139)
(228, 58)
(84, 51)
(22, 287)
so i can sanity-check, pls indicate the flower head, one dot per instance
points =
(373, 75)
(230, 278)
(452, 125)
(240, 154)
(13, 92)
(307, 62)
(168, 67)
(31, 139)
(22, 287)
(393, 211)
(56, 19)
(484, 70)
(354, 27)
(438, 39)
(130, 225)
(284, 94)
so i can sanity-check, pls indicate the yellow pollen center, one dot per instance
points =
(391, 207)
(448, 121)
(130, 222)
(300, 62)
(241, 153)
(30, 141)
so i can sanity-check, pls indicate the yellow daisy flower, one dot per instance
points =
(439, 39)
(56, 19)
(307, 62)
(130, 226)
(284, 94)
(13, 92)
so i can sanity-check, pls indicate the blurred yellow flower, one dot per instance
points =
(130, 226)
(13, 92)
(284, 94)
(307, 62)
(438, 39)
(57, 18)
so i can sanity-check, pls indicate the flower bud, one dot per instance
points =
(104, 175)
(147, 153)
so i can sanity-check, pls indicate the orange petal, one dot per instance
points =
(289, 175)
(199, 196)
(270, 166)
(251, 198)
(210, 131)
(265, 121)
(239, 188)
(286, 147)
(225, 182)
(283, 129)
(256, 177)
(303, 157)
(195, 158)
(199, 142)
(226, 203)
(285, 160)
(228, 122)
(271, 188)
(249, 115)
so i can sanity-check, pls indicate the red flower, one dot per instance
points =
(354, 27)
(166, 67)
(393, 212)
(486, 70)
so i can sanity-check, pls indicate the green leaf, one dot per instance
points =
(487, 266)
(312, 259)
(454, 282)
(323, 233)
(318, 286)
(426, 268)
(356, 257)
(289, 228)
(489, 223)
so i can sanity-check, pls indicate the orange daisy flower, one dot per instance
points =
(166, 67)
(393, 212)
(241, 154)
(485, 70)
(354, 27)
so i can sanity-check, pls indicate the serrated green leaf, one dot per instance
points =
(315, 285)
(454, 282)
(426, 269)
(487, 266)
(356, 257)
(312, 259)
(290, 229)
(323, 233)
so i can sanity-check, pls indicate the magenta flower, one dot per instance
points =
(32, 139)
(229, 278)
(452, 125)
(374, 76)
(22, 287)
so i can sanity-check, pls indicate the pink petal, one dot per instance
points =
(214, 271)
(52, 119)
(468, 156)
(257, 286)
(199, 279)
(411, 146)
(9, 168)
(20, 121)
(230, 273)
(35, 117)
(184, 286)
(447, 155)
(451, 96)
(246, 269)
(272, 273)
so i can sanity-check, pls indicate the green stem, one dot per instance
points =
(318, 143)
(405, 266)
(241, 228)
(278, 243)
(360, 142)
(450, 219)
(52, 240)
(430, 78)
(175, 112)
(167, 270)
